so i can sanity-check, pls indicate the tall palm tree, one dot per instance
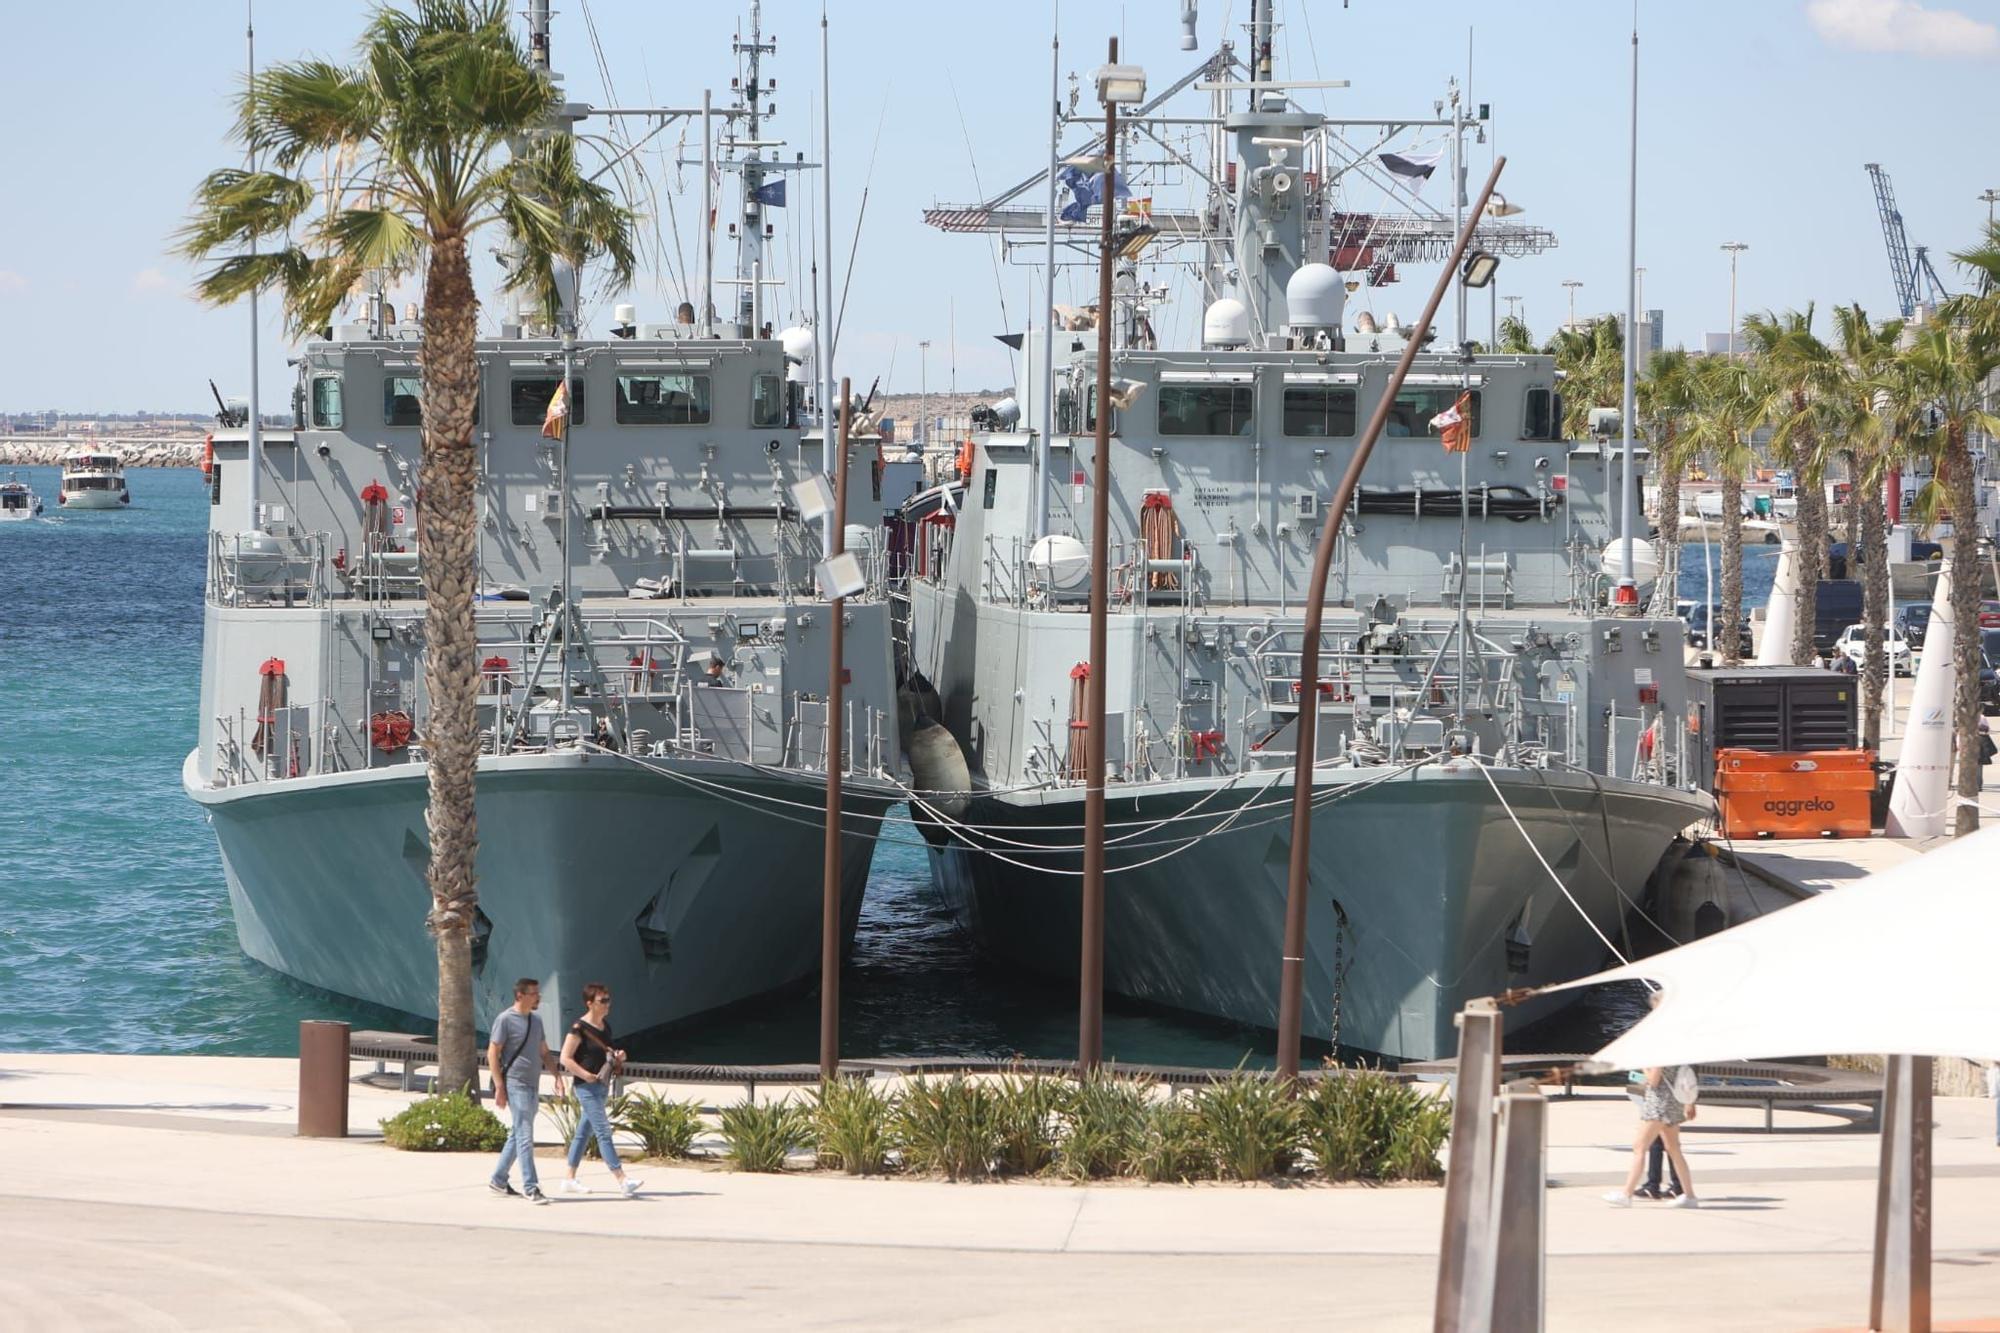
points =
(1592, 360)
(1801, 374)
(1514, 335)
(1727, 408)
(1666, 401)
(392, 164)
(1871, 408)
(1951, 362)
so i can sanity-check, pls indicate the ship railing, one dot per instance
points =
(266, 569)
(864, 746)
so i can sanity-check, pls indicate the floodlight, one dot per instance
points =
(841, 576)
(813, 496)
(1480, 268)
(1120, 83)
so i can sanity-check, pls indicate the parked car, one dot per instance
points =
(1853, 645)
(1837, 606)
(1698, 617)
(1989, 671)
(1914, 619)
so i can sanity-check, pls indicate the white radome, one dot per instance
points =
(798, 344)
(1315, 298)
(1645, 561)
(1226, 324)
(1062, 563)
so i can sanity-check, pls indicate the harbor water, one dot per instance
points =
(115, 928)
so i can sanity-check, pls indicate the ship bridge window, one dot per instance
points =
(528, 399)
(1321, 411)
(327, 413)
(767, 400)
(1544, 416)
(663, 400)
(1205, 409)
(1410, 415)
(403, 401)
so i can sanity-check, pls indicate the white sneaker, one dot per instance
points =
(1618, 1199)
(631, 1187)
(1685, 1201)
(575, 1187)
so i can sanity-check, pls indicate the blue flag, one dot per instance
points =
(771, 195)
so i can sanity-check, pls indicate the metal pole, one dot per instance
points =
(836, 678)
(1628, 586)
(1734, 248)
(1899, 1295)
(1049, 282)
(569, 417)
(1292, 980)
(1090, 1023)
(826, 441)
(1469, 1175)
(707, 219)
(254, 447)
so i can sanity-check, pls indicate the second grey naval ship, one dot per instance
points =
(1498, 769)
(654, 742)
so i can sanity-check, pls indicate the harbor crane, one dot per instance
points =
(1916, 281)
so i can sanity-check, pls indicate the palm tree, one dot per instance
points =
(1801, 374)
(1950, 363)
(1872, 406)
(1514, 335)
(1726, 409)
(1666, 401)
(387, 165)
(1592, 360)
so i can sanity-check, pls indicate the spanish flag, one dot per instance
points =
(555, 425)
(1454, 426)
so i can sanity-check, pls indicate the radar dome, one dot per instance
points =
(1645, 561)
(1062, 563)
(1227, 324)
(798, 344)
(1315, 298)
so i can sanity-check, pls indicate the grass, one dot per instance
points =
(760, 1138)
(1173, 1144)
(1101, 1127)
(853, 1127)
(1251, 1125)
(951, 1128)
(1028, 1108)
(1363, 1125)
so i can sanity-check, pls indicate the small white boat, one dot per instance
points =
(93, 481)
(18, 502)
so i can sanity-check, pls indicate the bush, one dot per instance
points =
(1364, 1125)
(852, 1127)
(1102, 1123)
(567, 1112)
(1173, 1144)
(1251, 1125)
(663, 1127)
(1027, 1109)
(451, 1122)
(759, 1138)
(951, 1127)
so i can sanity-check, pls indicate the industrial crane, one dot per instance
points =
(1914, 277)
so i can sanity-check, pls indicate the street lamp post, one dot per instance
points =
(1989, 198)
(1115, 83)
(1734, 248)
(924, 391)
(1572, 284)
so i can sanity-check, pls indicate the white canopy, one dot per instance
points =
(1900, 963)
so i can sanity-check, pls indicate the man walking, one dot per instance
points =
(517, 1052)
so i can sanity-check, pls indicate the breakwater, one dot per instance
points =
(146, 451)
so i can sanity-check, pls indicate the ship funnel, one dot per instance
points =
(1227, 324)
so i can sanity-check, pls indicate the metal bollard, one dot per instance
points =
(322, 1079)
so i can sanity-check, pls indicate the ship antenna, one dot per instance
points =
(1627, 596)
(1048, 385)
(826, 414)
(254, 450)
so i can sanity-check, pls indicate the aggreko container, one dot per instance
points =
(1821, 794)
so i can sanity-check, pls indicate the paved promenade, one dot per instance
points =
(160, 1192)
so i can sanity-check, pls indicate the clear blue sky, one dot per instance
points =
(1756, 119)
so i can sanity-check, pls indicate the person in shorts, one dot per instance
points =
(517, 1052)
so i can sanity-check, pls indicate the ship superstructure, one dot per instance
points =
(1498, 768)
(653, 702)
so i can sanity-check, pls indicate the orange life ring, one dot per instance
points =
(208, 455)
(390, 732)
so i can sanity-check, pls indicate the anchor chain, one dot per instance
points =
(1339, 971)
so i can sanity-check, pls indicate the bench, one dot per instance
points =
(411, 1053)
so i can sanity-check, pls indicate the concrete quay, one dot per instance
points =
(162, 1192)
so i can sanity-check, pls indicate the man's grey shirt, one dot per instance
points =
(515, 1031)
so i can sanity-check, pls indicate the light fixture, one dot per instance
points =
(1480, 268)
(1499, 207)
(1090, 164)
(1131, 242)
(1120, 83)
(840, 576)
(813, 496)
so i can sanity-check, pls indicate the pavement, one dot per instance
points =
(166, 1192)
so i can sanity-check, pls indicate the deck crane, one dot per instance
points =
(1914, 277)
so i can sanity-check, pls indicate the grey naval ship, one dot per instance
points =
(654, 741)
(1499, 760)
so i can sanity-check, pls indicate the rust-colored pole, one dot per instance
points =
(836, 678)
(1292, 979)
(1090, 1000)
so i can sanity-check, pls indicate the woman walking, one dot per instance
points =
(1662, 1110)
(588, 1054)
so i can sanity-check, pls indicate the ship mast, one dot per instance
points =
(750, 241)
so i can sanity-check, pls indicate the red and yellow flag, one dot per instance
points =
(555, 425)
(1454, 424)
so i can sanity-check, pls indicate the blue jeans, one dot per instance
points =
(591, 1097)
(522, 1103)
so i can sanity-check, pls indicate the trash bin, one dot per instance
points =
(322, 1079)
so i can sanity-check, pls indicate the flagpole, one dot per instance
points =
(707, 217)
(1628, 584)
(1465, 422)
(1049, 282)
(568, 348)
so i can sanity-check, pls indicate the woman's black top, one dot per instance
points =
(588, 1053)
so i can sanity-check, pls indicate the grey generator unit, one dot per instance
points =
(1773, 709)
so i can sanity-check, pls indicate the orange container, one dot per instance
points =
(1815, 794)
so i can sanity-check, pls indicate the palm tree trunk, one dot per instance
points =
(1874, 607)
(1965, 588)
(450, 555)
(1731, 612)
(1810, 566)
(1669, 513)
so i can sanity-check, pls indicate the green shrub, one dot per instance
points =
(664, 1128)
(1027, 1108)
(1101, 1121)
(852, 1127)
(451, 1122)
(1251, 1124)
(760, 1137)
(567, 1112)
(1173, 1144)
(1363, 1125)
(951, 1127)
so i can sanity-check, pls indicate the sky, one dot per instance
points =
(1755, 122)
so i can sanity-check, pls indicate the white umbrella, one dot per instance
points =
(1898, 963)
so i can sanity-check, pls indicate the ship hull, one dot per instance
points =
(684, 894)
(1443, 901)
(94, 499)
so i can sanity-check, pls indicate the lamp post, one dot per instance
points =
(1291, 985)
(1572, 284)
(1734, 248)
(1989, 198)
(924, 391)
(1116, 83)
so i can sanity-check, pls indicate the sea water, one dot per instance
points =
(115, 927)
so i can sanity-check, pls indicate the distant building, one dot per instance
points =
(1652, 333)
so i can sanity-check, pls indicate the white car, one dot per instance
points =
(1853, 645)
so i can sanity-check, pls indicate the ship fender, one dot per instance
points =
(937, 768)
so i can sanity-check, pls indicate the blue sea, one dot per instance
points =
(115, 928)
